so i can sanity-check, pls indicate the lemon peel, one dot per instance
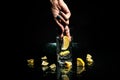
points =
(66, 43)
(80, 62)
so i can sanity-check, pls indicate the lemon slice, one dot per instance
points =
(52, 66)
(44, 63)
(44, 58)
(30, 63)
(66, 43)
(80, 62)
(64, 53)
(89, 60)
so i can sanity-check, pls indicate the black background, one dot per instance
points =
(90, 26)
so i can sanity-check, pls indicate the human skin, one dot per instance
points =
(61, 14)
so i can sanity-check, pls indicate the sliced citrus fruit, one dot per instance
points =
(30, 63)
(44, 63)
(80, 62)
(88, 56)
(64, 53)
(89, 60)
(66, 43)
(44, 58)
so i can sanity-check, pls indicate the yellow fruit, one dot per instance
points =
(88, 56)
(66, 43)
(45, 63)
(80, 62)
(64, 53)
(44, 58)
(30, 63)
(89, 60)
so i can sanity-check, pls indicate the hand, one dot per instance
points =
(61, 14)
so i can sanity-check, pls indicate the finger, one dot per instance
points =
(65, 16)
(62, 28)
(64, 8)
(67, 31)
(61, 36)
(60, 25)
(62, 20)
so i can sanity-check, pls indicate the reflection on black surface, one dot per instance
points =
(64, 59)
(80, 69)
(53, 69)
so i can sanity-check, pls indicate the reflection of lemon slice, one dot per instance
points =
(65, 70)
(65, 77)
(64, 53)
(80, 62)
(66, 42)
(80, 69)
(89, 60)
(44, 68)
(68, 64)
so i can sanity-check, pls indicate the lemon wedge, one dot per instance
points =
(30, 63)
(64, 53)
(66, 43)
(89, 60)
(80, 62)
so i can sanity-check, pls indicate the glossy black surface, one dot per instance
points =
(35, 28)
(99, 69)
(102, 67)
